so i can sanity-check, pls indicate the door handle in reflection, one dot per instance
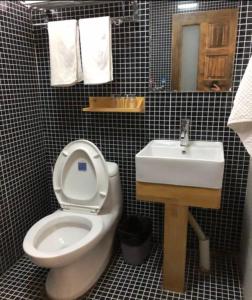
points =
(215, 86)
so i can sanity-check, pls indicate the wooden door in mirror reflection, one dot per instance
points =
(215, 53)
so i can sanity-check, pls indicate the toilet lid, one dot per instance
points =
(80, 177)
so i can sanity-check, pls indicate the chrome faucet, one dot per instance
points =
(184, 132)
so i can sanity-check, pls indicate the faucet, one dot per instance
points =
(184, 132)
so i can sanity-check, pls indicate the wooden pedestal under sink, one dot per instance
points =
(176, 200)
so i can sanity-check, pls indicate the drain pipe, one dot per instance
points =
(204, 251)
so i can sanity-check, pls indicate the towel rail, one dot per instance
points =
(116, 21)
(51, 5)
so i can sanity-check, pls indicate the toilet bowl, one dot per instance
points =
(75, 242)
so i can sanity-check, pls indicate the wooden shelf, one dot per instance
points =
(115, 104)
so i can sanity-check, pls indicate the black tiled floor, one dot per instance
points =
(121, 281)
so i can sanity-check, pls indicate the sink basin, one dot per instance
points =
(163, 161)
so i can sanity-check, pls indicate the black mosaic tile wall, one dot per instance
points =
(121, 135)
(23, 177)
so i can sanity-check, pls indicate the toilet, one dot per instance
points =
(75, 242)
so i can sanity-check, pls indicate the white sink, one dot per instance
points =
(162, 161)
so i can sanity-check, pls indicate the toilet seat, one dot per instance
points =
(80, 177)
(47, 226)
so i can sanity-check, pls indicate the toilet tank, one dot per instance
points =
(114, 197)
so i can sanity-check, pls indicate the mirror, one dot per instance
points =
(192, 45)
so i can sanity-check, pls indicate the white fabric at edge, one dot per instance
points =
(240, 119)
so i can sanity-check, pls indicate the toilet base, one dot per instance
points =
(72, 281)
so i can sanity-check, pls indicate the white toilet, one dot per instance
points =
(75, 242)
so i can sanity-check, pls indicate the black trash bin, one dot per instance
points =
(135, 236)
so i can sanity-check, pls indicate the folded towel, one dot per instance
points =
(64, 48)
(240, 119)
(96, 50)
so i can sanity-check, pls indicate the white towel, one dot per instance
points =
(64, 49)
(96, 50)
(240, 119)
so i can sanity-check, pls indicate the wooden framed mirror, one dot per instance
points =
(210, 27)
(203, 49)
